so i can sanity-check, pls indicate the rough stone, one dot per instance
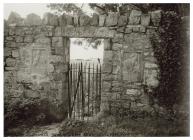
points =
(18, 39)
(111, 19)
(107, 45)
(108, 56)
(122, 20)
(142, 29)
(76, 20)
(28, 39)
(135, 17)
(129, 29)
(58, 31)
(102, 32)
(118, 38)
(65, 20)
(150, 65)
(151, 77)
(107, 68)
(102, 20)
(136, 28)
(156, 17)
(50, 19)
(57, 41)
(94, 20)
(15, 53)
(84, 20)
(117, 46)
(121, 29)
(33, 19)
(10, 62)
(145, 19)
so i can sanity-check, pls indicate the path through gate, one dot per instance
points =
(84, 90)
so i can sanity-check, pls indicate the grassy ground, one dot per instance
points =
(108, 125)
(111, 126)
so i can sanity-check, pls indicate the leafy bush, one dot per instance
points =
(169, 52)
(18, 112)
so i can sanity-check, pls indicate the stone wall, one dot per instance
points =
(36, 53)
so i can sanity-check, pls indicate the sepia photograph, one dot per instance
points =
(96, 70)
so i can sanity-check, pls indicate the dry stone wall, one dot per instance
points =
(36, 53)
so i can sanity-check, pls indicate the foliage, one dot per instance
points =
(70, 9)
(169, 52)
(24, 111)
(155, 126)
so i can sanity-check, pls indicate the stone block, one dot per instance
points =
(33, 19)
(118, 38)
(65, 20)
(102, 20)
(150, 65)
(107, 45)
(28, 39)
(7, 51)
(156, 17)
(122, 20)
(107, 68)
(58, 31)
(59, 50)
(9, 38)
(84, 20)
(76, 20)
(57, 41)
(91, 31)
(10, 62)
(12, 31)
(151, 77)
(106, 86)
(136, 28)
(145, 19)
(117, 46)
(108, 55)
(50, 19)
(15, 53)
(135, 17)
(142, 29)
(94, 20)
(121, 29)
(18, 39)
(129, 29)
(111, 19)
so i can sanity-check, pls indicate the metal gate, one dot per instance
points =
(84, 90)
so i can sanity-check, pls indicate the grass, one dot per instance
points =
(111, 126)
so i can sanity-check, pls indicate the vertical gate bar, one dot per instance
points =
(71, 94)
(88, 90)
(97, 88)
(82, 91)
(76, 79)
(93, 91)
(74, 87)
(100, 87)
(69, 99)
(78, 91)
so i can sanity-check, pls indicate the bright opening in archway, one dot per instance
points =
(86, 50)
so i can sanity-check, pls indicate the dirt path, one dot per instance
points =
(47, 131)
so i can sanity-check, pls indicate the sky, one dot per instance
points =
(23, 9)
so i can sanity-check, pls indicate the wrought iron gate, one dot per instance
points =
(84, 90)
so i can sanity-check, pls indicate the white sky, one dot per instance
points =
(79, 51)
(23, 9)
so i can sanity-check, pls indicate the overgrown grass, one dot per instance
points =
(111, 126)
